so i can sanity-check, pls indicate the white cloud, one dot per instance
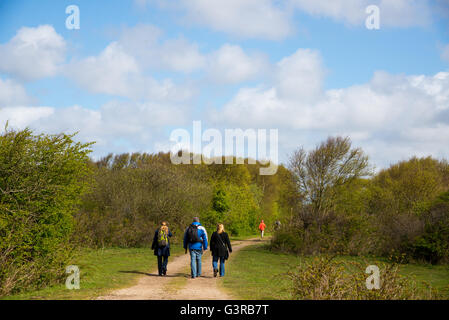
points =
(21, 117)
(13, 94)
(262, 19)
(115, 72)
(397, 13)
(273, 20)
(141, 46)
(143, 42)
(115, 127)
(180, 55)
(106, 73)
(230, 64)
(389, 113)
(351, 11)
(33, 53)
(300, 75)
(405, 13)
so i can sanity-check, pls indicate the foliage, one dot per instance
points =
(319, 173)
(327, 193)
(401, 204)
(400, 213)
(133, 193)
(52, 195)
(41, 180)
(433, 244)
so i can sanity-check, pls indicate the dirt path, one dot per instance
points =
(178, 285)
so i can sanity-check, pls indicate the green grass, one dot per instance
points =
(246, 237)
(102, 270)
(257, 273)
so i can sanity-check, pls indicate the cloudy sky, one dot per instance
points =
(136, 70)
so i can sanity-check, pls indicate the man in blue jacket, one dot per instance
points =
(195, 237)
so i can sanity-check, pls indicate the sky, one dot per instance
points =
(136, 70)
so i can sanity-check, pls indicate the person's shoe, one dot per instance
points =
(215, 273)
(164, 272)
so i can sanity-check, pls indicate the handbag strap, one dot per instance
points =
(221, 240)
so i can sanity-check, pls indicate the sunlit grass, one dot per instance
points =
(102, 270)
(257, 273)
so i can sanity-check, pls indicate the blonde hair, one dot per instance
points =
(164, 227)
(220, 228)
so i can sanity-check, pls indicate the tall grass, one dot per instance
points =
(324, 278)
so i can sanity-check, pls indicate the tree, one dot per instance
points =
(219, 203)
(318, 174)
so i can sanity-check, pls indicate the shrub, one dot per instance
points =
(287, 241)
(433, 244)
(127, 202)
(338, 234)
(401, 199)
(41, 180)
(323, 278)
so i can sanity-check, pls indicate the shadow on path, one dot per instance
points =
(155, 274)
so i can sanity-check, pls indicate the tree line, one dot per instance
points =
(54, 199)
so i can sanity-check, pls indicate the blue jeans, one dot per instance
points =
(222, 264)
(162, 264)
(195, 262)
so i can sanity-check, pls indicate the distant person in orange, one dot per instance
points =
(262, 227)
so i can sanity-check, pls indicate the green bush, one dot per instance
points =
(339, 234)
(41, 180)
(433, 244)
(287, 241)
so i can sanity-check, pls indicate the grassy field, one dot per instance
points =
(257, 273)
(102, 270)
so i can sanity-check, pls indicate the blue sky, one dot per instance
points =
(135, 70)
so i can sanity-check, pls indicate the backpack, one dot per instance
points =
(162, 239)
(192, 234)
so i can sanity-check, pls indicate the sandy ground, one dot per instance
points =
(177, 284)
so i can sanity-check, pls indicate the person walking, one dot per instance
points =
(195, 239)
(219, 246)
(262, 227)
(277, 225)
(161, 247)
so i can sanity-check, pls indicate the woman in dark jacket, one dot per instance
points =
(219, 245)
(161, 247)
